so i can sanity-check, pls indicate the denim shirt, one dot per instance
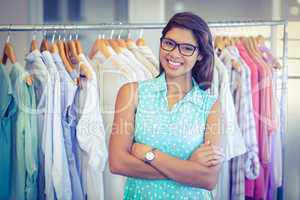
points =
(68, 89)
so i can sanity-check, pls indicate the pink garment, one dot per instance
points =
(261, 183)
(264, 118)
(250, 184)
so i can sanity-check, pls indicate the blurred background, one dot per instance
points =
(159, 11)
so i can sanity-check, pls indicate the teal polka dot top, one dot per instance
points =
(177, 132)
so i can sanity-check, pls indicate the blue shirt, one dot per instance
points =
(177, 132)
(38, 70)
(57, 177)
(8, 108)
(68, 89)
(25, 156)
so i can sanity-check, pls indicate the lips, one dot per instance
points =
(174, 64)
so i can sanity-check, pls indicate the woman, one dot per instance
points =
(166, 137)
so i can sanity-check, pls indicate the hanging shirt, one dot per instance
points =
(177, 132)
(234, 141)
(246, 118)
(146, 51)
(91, 136)
(134, 49)
(25, 156)
(37, 69)
(136, 74)
(8, 107)
(57, 176)
(140, 74)
(68, 90)
(136, 64)
(110, 79)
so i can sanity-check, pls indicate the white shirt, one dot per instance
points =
(56, 163)
(235, 144)
(110, 80)
(146, 51)
(137, 64)
(91, 136)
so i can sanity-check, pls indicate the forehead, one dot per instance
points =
(181, 35)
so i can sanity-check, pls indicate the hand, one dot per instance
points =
(208, 155)
(139, 150)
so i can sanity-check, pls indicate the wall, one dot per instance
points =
(216, 10)
(17, 12)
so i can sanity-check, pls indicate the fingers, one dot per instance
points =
(207, 150)
(212, 163)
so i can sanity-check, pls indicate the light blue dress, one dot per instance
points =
(177, 132)
(24, 134)
(8, 108)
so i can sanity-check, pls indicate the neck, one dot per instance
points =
(179, 85)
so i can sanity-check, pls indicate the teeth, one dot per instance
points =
(174, 63)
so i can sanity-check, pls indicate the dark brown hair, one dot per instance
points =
(202, 71)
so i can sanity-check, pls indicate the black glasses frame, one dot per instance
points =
(179, 45)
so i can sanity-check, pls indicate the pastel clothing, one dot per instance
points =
(110, 78)
(25, 140)
(91, 136)
(176, 132)
(8, 108)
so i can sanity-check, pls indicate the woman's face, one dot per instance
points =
(174, 62)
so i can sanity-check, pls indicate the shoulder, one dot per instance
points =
(129, 87)
(209, 101)
(127, 93)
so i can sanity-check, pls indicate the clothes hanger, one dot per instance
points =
(120, 41)
(114, 44)
(44, 44)
(9, 53)
(8, 50)
(78, 44)
(140, 41)
(33, 44)
(53, 45)
(99, 45)
(62, 53)
(75, 59)
(260, 41)
(219, 44)
(72, 51)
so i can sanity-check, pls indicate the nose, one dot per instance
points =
(175, 52)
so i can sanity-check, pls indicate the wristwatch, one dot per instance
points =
(150, 156)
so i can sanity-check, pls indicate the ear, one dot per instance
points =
(199, 57)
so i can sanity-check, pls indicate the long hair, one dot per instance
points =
(202, 71)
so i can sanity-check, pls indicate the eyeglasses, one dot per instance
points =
(184, 48)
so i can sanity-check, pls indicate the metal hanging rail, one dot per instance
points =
(49, 27)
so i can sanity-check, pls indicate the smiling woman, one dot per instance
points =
(166, 138)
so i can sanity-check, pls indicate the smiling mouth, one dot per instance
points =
(173, 64)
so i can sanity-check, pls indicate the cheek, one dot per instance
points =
(192, 61)
(162, 56)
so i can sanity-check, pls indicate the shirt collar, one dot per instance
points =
(194, 95)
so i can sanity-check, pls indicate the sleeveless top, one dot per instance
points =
(177, 132)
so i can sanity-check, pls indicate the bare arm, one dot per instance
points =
(191, 172)
(120, 159)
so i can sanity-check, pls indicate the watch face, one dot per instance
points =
(149, 156)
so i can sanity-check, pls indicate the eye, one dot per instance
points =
(186, 47)
(168, 42)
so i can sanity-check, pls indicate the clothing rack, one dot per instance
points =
(120, 26)
(140, 26)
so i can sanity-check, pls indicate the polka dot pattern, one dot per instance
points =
(177, 132)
